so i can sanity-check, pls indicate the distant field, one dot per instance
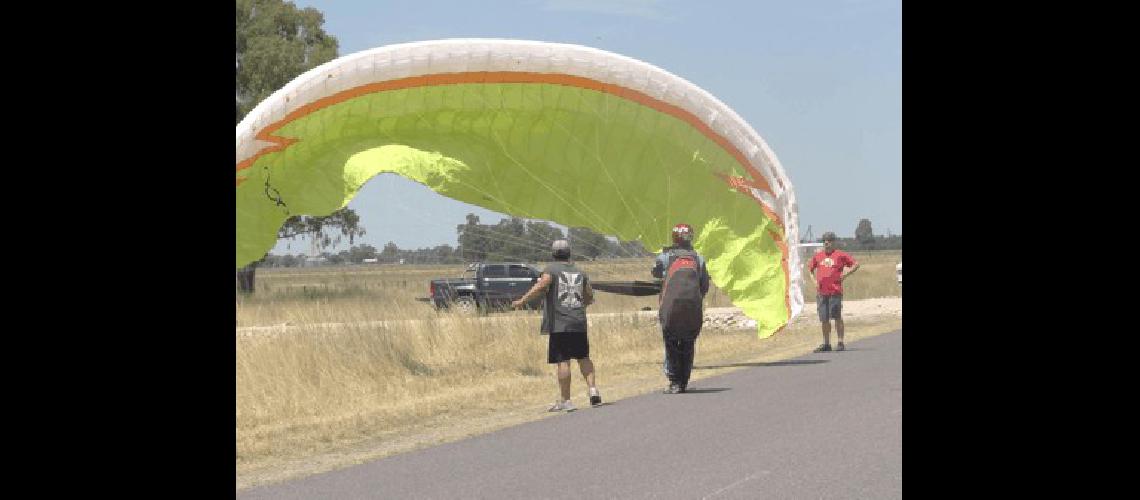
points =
(381, 292)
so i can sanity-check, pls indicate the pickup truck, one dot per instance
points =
(485, 286)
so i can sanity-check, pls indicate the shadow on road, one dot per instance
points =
(774, 363)
(707, 389)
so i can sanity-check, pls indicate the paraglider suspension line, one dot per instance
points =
(275, 197)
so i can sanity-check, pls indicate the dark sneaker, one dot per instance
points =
(823, 348)
(672, 389)
(595, 397)
(839, 347)
(682, 389)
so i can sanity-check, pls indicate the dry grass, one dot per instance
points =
(388, 292)
(313, 399)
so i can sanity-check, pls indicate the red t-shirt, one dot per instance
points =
(828, 269)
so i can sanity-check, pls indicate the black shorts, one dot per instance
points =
(566, 346)
(829, 307)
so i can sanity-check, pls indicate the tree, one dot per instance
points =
(329, 229)
(510, 242)
(443, 254)
(358, 253)
(540, 235)
(471, 242)
(390, 253)
(276, 42)
(587, 243)
(863, 233)
(633, 248)
(245, 277)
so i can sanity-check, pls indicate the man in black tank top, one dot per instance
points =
(567, 293)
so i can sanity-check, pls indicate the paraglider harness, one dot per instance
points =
(681, 308)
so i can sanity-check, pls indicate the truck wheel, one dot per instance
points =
(466, 305)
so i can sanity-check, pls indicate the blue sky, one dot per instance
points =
(820, 81)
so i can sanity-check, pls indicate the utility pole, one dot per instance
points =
(808, 237)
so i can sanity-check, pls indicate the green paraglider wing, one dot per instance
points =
(558, 132)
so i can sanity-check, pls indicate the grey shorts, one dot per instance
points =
(829, 307)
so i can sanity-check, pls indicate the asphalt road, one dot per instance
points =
(823, 425)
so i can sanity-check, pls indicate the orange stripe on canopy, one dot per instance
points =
(280, 143)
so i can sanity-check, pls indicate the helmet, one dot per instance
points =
(560, 249)
(682, 233)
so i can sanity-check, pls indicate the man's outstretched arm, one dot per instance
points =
(538, 288)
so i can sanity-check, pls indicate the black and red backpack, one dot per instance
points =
(681, 308)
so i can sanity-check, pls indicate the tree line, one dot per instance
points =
(511, 239)
(865, 239)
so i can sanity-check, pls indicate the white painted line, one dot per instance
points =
(738, 483)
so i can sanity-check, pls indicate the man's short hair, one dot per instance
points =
(828, 236)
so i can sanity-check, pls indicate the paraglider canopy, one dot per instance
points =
(570, 134)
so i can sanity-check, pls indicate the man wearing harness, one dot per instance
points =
(680, 341)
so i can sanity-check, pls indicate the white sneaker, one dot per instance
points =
(562, 406)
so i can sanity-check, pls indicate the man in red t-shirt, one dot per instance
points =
(826, 269)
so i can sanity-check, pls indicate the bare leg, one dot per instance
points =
(827, 331)
(564, 379)
(839, 328)
(587, 368)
